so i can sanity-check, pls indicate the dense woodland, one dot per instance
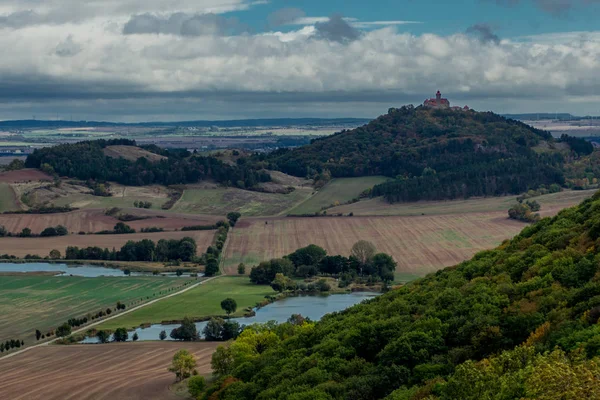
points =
(86, 160)
(438, 154)
(517, 322)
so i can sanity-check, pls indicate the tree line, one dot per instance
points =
(87, 161)
(144, 250)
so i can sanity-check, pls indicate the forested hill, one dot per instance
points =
(88, 160)
(435, 154)
(517, 322)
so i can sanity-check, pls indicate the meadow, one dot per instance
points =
(338, 191)
(201, 301)
(220, 201)
(419, 244)
(551, 204)
(28, 302)
(8, 200)
(132, 371)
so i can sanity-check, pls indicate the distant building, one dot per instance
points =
(439, 102)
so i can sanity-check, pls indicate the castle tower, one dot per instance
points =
(438, 97)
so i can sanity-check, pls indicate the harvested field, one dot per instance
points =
(551, 204)
(24, 175)
(419, 244)
(223, 200)
(338, 191)
(128, 371)
(30, 302)
(42, 246)
(131, 153)
(90, 221)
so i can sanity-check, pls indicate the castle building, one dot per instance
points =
(439, 102)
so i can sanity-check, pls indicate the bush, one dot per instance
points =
(196, 385)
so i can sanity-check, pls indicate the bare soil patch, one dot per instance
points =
(131, 371)
(24, 175)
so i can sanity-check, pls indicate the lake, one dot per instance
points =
(313, 307)
(86, 271)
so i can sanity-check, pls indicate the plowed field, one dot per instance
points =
(24, 175)
(42, 246)
(94, 220)
(129, 371)
(419, 244)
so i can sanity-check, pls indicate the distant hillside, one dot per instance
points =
(40, 124)
(437, 154)
(517, 322)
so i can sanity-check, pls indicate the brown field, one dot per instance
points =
(419, 244)
(128, 371)
(94, 220)
(42, 246)
(131, 153)
(24, 175)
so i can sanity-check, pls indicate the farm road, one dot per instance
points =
(110, 318)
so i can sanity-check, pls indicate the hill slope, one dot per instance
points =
(534, 294)
(435, 154)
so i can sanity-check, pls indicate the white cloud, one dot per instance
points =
(88, 60)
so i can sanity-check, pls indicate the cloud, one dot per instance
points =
(484, 32)
(285, 16)
(555, 7)
(184, 25)
(336, 29)
(68, 48)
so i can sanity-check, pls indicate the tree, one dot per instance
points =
(363, 251)
(121, 335)
(281, 283)
(212, 267)
(222, 361)
(233, 218)
(241, 269)
(186, 332)
(309, 255)
(55, 254)
(63, 330)
(384, 266)
(26, 232)
(162, 335)
(103, 336)
(182, 365)
(229, 305)
(3, 231)
(135, 337)
(38, 334)
(196, 385)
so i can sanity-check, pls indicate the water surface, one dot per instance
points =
(86, 271)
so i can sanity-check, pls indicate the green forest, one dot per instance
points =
(437, 154)
(517, 322)
(86, 160)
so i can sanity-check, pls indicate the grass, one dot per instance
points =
(378, 206)
(405, 277)
(28, 303)
(7, 198)
(339, 191)
(202, 301)
(223, 200)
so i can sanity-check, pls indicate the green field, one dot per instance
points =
(204, 300)
(223, 200)
(30, 302)
(378, 206)
(81, 200)
(339, 190)
(7, 198)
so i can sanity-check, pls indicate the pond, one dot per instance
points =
(313, 307)
(86, 271)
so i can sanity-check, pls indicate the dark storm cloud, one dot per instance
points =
(184, 25)
(284, 16)
(337, 30)
(484, 33)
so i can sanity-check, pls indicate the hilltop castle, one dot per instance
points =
(439, 102)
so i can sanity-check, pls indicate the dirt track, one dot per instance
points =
(128, 371)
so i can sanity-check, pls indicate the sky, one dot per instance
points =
(156, 60)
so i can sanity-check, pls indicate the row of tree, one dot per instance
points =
(313, 260)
